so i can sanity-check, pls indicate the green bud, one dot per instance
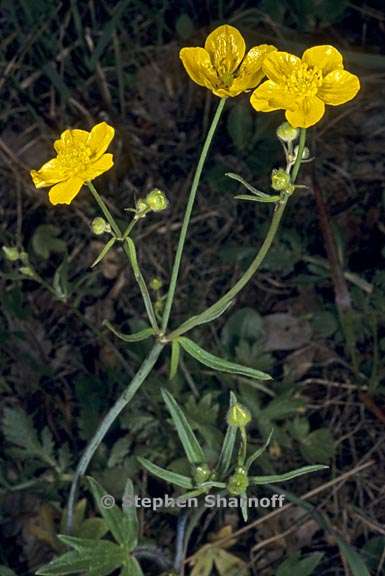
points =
(156, 284)
(202, 473)
(238, 482)
(238, 415)
(305, 153)
(11, 253)
(280, 179)
(287, 133)
(156, 200)
(141, 207)
(99, 226)
(27, 271)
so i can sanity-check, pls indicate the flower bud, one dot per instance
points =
(11, 253)
(287, 133)
(238, 482)
(141, 207)
(99, 226)
(305, 153)
(280, 179)
(27, 271)
(156, 284)
(202, 473)
(156, 200)
(238, 415)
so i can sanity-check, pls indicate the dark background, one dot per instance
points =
(75, 63)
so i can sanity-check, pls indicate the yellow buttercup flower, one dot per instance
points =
(221, 66)
(80, 158)
(302, 87)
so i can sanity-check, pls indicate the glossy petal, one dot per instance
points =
(69, 138)
(279, 65)
(226, 48)
(308, 113)
(250, 71)
(49, 174)
(101, 165)
(339, 87)
(65, 192)
(199, 67)
(326, 58)
(270, 96)
(100, 138)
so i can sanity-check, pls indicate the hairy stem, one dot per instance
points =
(187, 215)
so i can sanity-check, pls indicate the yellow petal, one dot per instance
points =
(308, 113)
(226, 48)
(100, 165)
(250, 71)
(270, 96)
(65, 192)
(279, 65)
(199, 67)
(326, 58)
(338, 87)
(49, 174)
(100, 138)
(70, 137)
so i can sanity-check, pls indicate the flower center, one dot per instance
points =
(74, 159)
(304, 81)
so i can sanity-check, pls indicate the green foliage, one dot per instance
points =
(299, 566)
(45, 241)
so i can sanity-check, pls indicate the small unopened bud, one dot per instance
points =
(238, 415)
(141, 207)
(202, 473)
(156, 284)
(305, 153)
(156, 200)
(27, 271)
(238, 482)
(287, 133)
(280, 179)
(11, 253)
(99, 226)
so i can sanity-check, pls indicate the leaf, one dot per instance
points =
(132, 569)
(45, 241)
(249, 187)
(119, 451)
(240, 125)
(175, 355)
(318, 446)
(244, 324)
(267, 199)
(356, 563)
(251, 459)
(219, 364)
(136, 337)
(226, 455)
(228, 564)
(107, 32)
(184, 26)
(121, 525)
(277, 478)
(211, 314)
(300, 567)
(166, 475)
(103, 252)
(94, 560)
(282, 406)
(192, 448)
(5, 571)
(93, 528)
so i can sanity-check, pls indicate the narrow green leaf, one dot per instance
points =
(129, 512)
(257, 198)
(258, 452)
(132, 568)
(219, 364)
(244, 508)
(175, 355)
(95, 559)
(203, 489)
(277, 478)
(248, 186)
(137, 337)
(355, 561)
(226, 454)
(104, 252)
(120, 524)
(204, 318)
(166, 475)
(193, 449)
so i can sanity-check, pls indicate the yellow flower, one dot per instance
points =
(80, 158)
(302, 87)
(221, 66)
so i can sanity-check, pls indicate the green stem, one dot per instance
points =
(232, 293)
(187, 215)
(134, 263)
(107, 422)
